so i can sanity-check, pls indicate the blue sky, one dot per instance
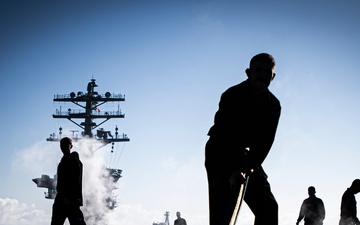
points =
(172, 60)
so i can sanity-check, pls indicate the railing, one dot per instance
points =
(61, 96)
(79, 111)
(57, 137)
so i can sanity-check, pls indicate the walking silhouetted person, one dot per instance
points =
(312, 209)
(179, 220)
(69, 187)
(247, 118)
(348, 205)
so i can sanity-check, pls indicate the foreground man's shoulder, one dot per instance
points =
(75, 155)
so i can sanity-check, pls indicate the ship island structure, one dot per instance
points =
(88, 112)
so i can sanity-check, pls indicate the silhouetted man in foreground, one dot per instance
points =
(69, 187)
(247, 118)
(312, 209)
(348, 205)
(179, 220)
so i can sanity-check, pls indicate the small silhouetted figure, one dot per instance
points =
(90, 86)
(247, 118)
(179, 220)
(348, 205)
(312, 209)
(69, 187)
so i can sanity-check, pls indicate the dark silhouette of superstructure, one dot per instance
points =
(89, 111)
(46, 182)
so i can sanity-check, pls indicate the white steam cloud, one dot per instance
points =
(96, 183)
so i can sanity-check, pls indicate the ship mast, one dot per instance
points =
(90, 103)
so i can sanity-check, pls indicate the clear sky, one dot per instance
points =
(172, 60)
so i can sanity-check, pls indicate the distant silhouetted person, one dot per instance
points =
(348, 205)
(247, 118)
(179, 220)
(312, 209)
(69, 187)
